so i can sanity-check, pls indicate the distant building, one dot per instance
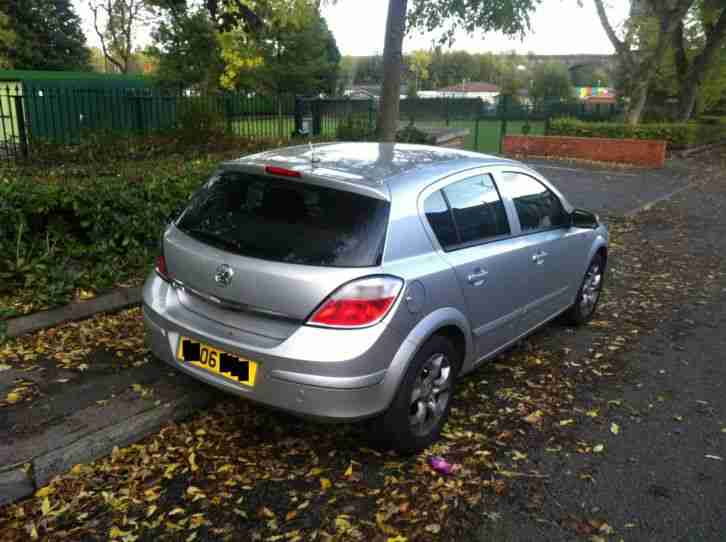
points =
(486, 92)
(363, 92)
(596, 95)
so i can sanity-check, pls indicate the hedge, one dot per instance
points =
(69, 226)
(677, 135)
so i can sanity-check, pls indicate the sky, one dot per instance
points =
(559, 27)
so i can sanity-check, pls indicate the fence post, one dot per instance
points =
(371, 110)
(503, 128)
(476, 126)
(316, 109)
(22, 132)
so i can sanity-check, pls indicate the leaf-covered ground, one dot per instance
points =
(242, 472)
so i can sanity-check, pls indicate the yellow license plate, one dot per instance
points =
(235, 368)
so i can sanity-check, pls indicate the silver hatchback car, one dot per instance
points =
(349, 281)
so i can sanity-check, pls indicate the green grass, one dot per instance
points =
(487, 140)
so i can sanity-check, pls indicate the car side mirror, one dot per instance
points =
(580, 218)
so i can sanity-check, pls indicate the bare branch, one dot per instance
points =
(620, 47)
(101, 36)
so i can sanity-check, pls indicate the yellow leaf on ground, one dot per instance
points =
(534, 417)
(433, 528)
(325, 484)
(12, 397)
(598, 448)
(349, 471)
(290, 515)
(342, 524)
(44, 491)
(397, 538)
(45, 506)
(567, 422)
(192, 462)
(614, 428)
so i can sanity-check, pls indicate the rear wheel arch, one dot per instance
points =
(448, 322)
(457, 338)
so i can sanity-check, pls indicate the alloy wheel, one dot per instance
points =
(430, 395)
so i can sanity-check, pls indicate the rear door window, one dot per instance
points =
(538, 208)
(285, 221)
(467, 212)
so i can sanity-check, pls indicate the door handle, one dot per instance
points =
(538, 257)
(476, 278)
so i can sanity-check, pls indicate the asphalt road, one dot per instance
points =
(663, 475)
(612, 190)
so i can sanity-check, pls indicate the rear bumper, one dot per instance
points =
(346, 382)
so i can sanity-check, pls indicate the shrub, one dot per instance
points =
(91, 225)
(411, 134)
(355, 128)
(677, 135)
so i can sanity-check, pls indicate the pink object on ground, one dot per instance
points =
(439, 464)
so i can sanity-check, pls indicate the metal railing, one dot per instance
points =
(30, 114)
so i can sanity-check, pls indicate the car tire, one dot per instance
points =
(589, 293)
(412, 424)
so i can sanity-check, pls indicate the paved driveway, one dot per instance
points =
(614, 191)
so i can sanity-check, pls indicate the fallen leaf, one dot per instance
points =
(716, 457)
(45, 491)
(349, 471)
(397, 538)
(290, 515)
(342, 524)
(325, 484)
(614, 428)
(4, 367)
(567, 422)
(45, 506)
(534, 417)
(434, 528)
(12, 398)
(598, 448)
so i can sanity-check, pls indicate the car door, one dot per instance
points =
(550, 257)
(471, 225)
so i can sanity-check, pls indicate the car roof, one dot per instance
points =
(369, 165)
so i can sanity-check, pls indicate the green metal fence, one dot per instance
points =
(66, 115)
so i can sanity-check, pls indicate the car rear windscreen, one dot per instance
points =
(287, 221)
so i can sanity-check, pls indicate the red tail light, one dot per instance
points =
(360, 303)
(282, 172)
(161, 269)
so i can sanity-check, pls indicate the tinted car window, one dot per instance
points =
(441, 220)
(273, 219)
(477, 209)
(537, 207)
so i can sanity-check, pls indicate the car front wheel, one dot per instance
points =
(589, 294)
(421, 405)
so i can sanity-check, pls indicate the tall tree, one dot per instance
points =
(389, 108)
(551, 80)
(694, 57)
(188, 50)
(638, 55)
(297, 56)
(509, 16)
(7, 40)
(42, 35)
(116, 23)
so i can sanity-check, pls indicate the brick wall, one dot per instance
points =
(624, 151)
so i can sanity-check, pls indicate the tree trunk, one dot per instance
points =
(392, 64)
(691, 83)
(638, 98)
